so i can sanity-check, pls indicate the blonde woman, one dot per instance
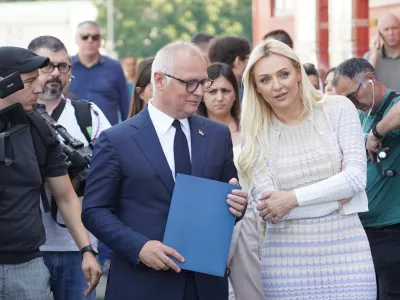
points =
(304, 157)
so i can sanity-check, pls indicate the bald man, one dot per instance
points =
(384, 54)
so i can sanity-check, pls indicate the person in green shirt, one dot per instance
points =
(379, 111)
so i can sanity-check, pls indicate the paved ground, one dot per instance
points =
(101, 288)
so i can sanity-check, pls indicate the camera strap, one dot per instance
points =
(379, 116)
(381, 111)
(58, 110)
(44, 141)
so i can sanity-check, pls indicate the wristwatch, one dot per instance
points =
(376, 133)
(90, 248)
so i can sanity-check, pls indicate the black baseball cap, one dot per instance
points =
(13, 59)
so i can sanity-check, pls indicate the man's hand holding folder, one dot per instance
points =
(156, 255)
(237, 200)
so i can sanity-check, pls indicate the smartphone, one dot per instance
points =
(380, 39)
(10, 84)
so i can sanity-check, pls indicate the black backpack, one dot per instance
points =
(84, 117)
(82, 114)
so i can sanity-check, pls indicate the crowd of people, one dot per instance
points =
(316, 157)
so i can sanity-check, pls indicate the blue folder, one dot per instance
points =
(200, 225)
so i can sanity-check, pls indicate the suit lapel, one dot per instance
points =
(147, 140)
(199, 141)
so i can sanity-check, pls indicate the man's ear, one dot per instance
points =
(159, 80)
(370, 76)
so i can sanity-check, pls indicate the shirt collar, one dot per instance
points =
(162, 121)
(383, 54)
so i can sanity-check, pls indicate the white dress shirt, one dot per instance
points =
(166, 133)
(57, 237)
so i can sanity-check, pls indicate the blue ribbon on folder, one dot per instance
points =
(200, 225)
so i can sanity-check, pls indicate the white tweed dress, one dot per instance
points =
(319, 253)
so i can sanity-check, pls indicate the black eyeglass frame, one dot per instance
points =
(53, 66)
(188, 82)
(352, 96)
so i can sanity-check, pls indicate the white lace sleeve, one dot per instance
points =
(352, 179)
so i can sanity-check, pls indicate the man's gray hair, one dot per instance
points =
(166, 56)
(85, 24)
(353, 68)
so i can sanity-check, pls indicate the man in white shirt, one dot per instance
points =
(61, 255)
(127, 202)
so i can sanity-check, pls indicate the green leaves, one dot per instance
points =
(144, 26)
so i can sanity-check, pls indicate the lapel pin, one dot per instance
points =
(201, 132)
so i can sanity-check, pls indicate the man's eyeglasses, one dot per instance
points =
(95, 37)
(192, 85)
(62, 68)
(353, 96)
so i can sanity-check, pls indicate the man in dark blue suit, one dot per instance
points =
(130, 185)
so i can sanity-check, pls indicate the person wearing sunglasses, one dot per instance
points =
(133, 171)
(98, 78)
(379, 112)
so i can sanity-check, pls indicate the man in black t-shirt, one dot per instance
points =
(23, 274)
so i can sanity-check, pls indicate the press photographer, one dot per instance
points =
(22, 169)
(78, 124)
(379, 111)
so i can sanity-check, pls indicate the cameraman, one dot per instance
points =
(61, 255)
(23, 273)
(379, 115)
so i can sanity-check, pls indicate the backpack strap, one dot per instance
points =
(381, 112)
(83, 115)
(44, 141)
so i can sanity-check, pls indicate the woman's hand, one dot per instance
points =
(275, 205)
(344, 201)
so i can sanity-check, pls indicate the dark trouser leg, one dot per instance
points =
(385, 249)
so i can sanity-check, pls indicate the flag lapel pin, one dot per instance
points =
(201, 132)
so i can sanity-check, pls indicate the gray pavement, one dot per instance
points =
(101, 288)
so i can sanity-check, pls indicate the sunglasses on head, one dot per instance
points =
(95, 37)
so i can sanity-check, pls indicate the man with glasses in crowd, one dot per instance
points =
(60, 253)
(379, 111)
(130, 185)
(99, 79)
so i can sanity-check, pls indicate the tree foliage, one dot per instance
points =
(141, 27)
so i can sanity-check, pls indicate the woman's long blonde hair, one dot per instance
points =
(256, 112)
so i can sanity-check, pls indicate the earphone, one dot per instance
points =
(373, 102)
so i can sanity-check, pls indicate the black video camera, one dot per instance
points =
(11, 84)
(78, 156)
